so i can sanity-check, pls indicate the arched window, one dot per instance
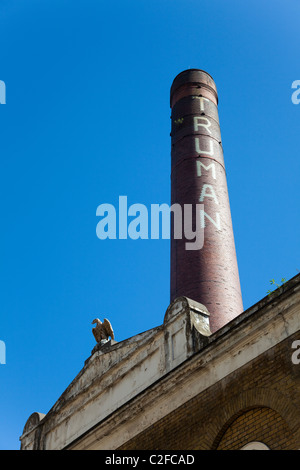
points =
(255, 445)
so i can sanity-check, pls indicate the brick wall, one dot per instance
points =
(258, 402)
(259, 424)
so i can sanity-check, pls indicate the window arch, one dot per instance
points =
(248, 427)
(255, 445)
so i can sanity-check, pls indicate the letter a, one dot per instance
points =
(109, 221)
(205, 194)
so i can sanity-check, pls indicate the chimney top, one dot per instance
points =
(197, 77)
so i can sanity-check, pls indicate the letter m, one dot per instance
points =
(2, 92)
(208, 167)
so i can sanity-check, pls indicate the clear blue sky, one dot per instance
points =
(87, 119)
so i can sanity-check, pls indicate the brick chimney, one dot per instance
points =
(208, 275)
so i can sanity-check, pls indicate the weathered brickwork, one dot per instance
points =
(258, 402)
(208, 275)
(259, 424)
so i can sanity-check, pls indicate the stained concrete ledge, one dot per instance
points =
(120, 392)
(117, 371)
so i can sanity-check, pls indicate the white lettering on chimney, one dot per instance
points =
(207, 190)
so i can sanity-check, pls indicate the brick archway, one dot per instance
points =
(257, 424)
(269, 418)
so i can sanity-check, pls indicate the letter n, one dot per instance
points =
(217, 222)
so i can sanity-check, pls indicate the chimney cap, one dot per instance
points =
(196, 77)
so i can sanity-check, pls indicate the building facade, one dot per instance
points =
(211, 376)
(175, 388)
